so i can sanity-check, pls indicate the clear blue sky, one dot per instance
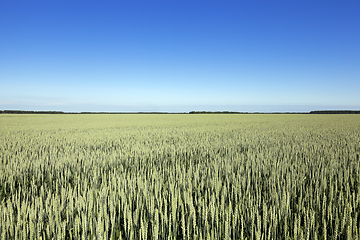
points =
(179, 55)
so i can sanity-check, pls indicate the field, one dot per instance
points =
(179, 176)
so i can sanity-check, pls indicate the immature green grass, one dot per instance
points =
(179, 176)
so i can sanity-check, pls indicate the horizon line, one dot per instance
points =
(189, 112)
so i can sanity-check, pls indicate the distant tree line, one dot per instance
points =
(192, 112)
(29, 112)
(335, 112)
(60, 112)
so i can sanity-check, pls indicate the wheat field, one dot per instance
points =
(179, 176)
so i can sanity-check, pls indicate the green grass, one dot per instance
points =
(179, 176)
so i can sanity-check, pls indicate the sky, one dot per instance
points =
(179, 55)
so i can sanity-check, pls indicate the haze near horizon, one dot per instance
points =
(179, 56)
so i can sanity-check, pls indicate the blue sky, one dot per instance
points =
(179, 55)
